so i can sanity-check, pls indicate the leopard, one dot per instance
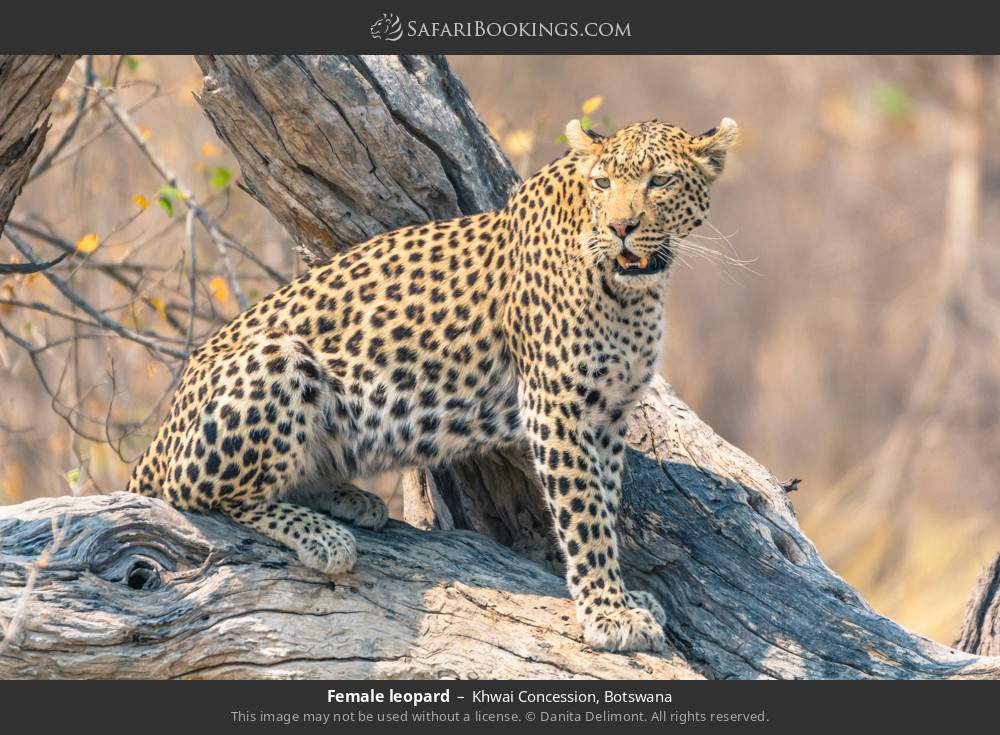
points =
(537, 325)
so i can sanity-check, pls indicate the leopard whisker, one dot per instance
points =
(721, 236)
(713, 255)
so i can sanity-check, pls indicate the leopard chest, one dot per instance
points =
(620, 360)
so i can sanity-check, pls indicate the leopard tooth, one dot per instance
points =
(643, 262)
(622, 261)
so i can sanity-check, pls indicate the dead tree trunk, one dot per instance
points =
(339, 148)
(981, 628)
(27, 84)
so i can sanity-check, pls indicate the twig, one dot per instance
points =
(12, 629)
(112, 270)
(67, 136)
(24, 268)
(192, 277)
(86, 142)
(122, 331)
(222, 242)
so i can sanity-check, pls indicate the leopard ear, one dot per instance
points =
(582, 141)
(710, 147)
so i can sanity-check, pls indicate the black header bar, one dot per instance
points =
(398, 27)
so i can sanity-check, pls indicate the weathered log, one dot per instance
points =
(27, 84)
(137, 589)
(705, 528)
(980, 631)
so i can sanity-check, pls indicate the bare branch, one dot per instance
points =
(153, 344)
(221, 241)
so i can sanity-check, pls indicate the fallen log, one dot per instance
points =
(136, 589)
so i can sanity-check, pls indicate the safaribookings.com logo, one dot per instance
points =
(387, 28)
(390, 28)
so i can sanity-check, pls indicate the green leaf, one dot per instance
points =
(221, 177)
(171, 191)
(585, 122)
(893, 101)
(562, 139)
(131, 62)
(73, 476)
(167, 205)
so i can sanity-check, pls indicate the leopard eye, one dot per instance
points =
(602, 183)
(659, 181)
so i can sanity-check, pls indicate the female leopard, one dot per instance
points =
(537, 323)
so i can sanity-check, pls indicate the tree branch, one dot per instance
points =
(27, 84)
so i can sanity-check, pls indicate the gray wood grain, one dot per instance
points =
(27, 84)
(980, 631)
(138, 589)
(340, 148)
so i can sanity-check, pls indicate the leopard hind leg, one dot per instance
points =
(252, 435)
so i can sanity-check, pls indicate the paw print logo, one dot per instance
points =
(387, 28)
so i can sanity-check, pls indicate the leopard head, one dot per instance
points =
(647, 187)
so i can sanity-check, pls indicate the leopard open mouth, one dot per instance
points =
(627, 263)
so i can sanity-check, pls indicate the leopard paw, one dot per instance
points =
(345, 502)
(329, 554)
(625, 629)
(358, 507)
(644, 600)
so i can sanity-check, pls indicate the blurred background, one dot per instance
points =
(849, 337)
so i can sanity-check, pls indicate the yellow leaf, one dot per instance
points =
(146, 132)
(8, 293)
(519, 142)
(209, 150)
(140, 201)
(88, 243)
(160, 308)
(219, 289)
(592, 104)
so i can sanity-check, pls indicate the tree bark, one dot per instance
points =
(138, 589)
(981, 627)
(27, 84)
(338, 148)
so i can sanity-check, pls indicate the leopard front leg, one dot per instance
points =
(608, 446)
(581, 483)
(322, 544)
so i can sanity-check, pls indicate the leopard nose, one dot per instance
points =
(623, 227)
